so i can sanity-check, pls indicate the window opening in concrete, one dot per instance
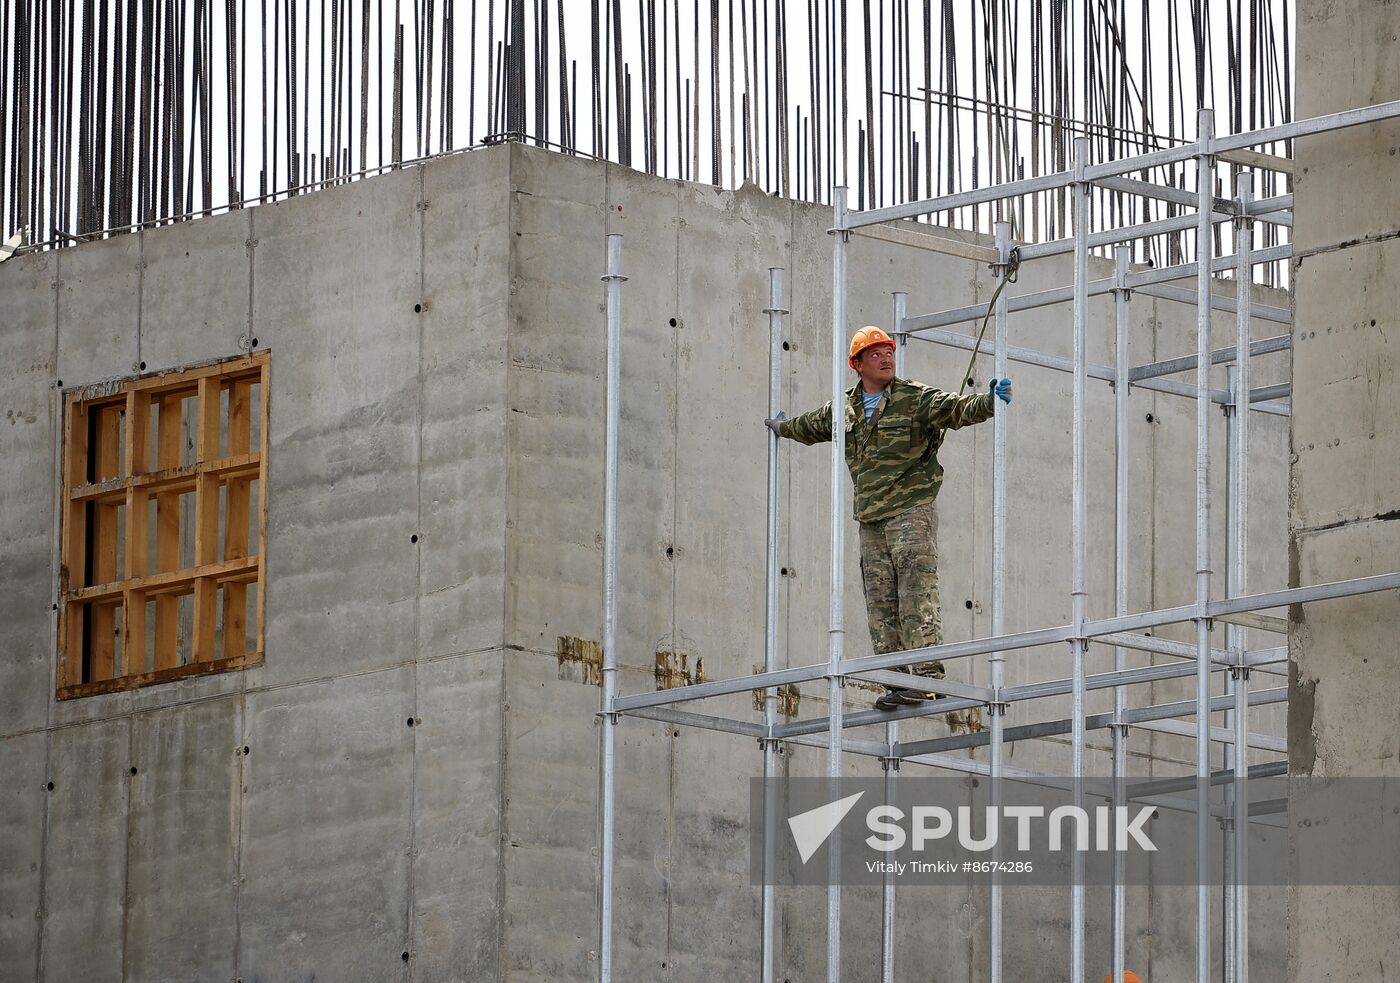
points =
(162, 527)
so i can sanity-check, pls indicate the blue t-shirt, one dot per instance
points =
(871, 401)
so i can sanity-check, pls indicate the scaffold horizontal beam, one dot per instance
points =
(1029, 356)
(1093, 721)
(1012, 641)
(1096, 172)
(1063, 295)
(1186, 363)
(1219, 735)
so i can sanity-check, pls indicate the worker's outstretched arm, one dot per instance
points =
(809, 428)
(949, 411)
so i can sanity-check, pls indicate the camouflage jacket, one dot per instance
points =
(893, 456)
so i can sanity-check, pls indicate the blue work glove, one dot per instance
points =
(1000, 388)
(775, 423)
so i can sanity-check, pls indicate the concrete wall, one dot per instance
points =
(283, 822)
(1345, 476)
(347, 844)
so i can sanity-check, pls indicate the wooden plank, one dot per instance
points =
(134, 633)
(137, 566)
(103, 622)
(159, 385)
(170, 436)
(240, 466)
(138, 429)
(75, 441)
(111, 490)
(239, 416)
(235, 619)
(206, 522)
(264, 388)
(138, 459)
(159, 676)
(178, 480)
(72, 542)
(171, 582)
(237, 496)
(206, 596)
(108, 452)
(208, 413)
(70, 630)
(138, 432)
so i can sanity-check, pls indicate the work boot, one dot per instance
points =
(890, 699)
(895, 698)
(910, 697)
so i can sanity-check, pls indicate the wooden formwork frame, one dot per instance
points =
(108, 476)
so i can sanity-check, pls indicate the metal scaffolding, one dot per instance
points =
(1125, 631)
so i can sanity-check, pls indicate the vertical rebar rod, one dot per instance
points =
(1205, 167)
(1244, 275)
(364, 85)
(1121, 298)
(101, 117)
(608, 718)
(303, 160)
(891, 763)
(731, 86)
(566, 117)
(471, 78)
(837, 630)
(1078, 595)
(716, 126)
(162, 195)
(7, 187)
(750, 141)
(775, 312)
(206, 112)
(396, 137)
(233, 106)
(997, 709)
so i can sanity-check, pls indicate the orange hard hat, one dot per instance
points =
(1128, 977)
(868, 337)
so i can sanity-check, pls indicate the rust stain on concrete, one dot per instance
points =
(580, 660)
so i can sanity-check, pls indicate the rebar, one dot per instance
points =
(155, 84)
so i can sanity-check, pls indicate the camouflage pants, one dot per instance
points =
(899, 570)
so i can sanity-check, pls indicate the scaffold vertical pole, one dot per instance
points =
(1244, 276)
(891, 763)
(608, 718)
(1079, 596)
(1121, 296)
(1205, 174)
(996, 710)
(775, 312)
(837, 631)
(1227, 853)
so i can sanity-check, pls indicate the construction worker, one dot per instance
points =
(893, 429)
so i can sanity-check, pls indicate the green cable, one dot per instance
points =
(1013, 265)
